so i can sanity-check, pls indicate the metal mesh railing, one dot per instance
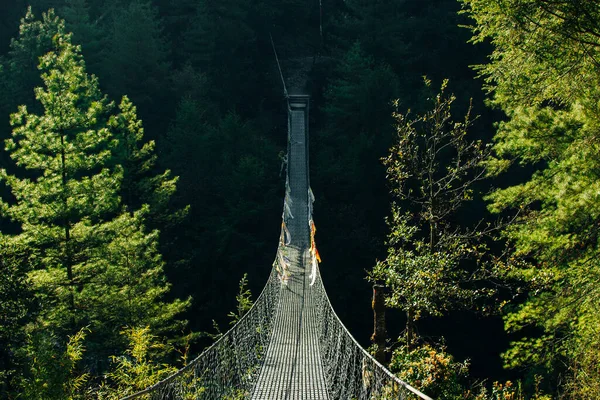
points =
(351, 372)
(229, 368)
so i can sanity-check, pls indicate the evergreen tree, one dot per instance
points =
(86, 32)
(140, 184)
(20, 74)
(544, 74)
(137, 62)
(95, 264)
(18, 68)
(16, 309)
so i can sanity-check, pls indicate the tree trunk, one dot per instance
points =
(379, 336)
(68, 260)
(410, 329)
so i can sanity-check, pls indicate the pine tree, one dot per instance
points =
(141, 185)
(20, 73)
(544, 75)
(95, 263)
(18, 68)
(86, 32)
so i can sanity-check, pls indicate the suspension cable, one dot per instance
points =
(321, 21)
(285, 92)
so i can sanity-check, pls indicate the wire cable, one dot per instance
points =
(285, 92)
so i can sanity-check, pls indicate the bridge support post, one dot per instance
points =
(379, 337)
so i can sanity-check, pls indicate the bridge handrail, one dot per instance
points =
(192, 363)
(366, 353)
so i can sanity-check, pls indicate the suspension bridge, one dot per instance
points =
(291, 344)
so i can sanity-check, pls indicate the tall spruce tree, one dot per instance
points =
(93, 262)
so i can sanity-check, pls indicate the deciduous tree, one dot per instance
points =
(431, 168)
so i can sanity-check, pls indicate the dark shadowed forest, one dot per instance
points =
(454, 158)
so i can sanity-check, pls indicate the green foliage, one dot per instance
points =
(20, 73)
(543, 50)
(92, 263)
(55, 372)
(431, 370)
(508, 391)
(501, 391)
(585, 383)
(140, 184)
(16, 308)
(139, 367)
(66, 152)
(544, 75)
(431, 169)
(244, 301)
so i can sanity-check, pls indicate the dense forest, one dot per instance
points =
(453, 156)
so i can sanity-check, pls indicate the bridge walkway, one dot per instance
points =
(293, 369)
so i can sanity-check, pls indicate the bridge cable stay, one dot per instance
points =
(285, 92)
(321, 21)
(291, 344)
